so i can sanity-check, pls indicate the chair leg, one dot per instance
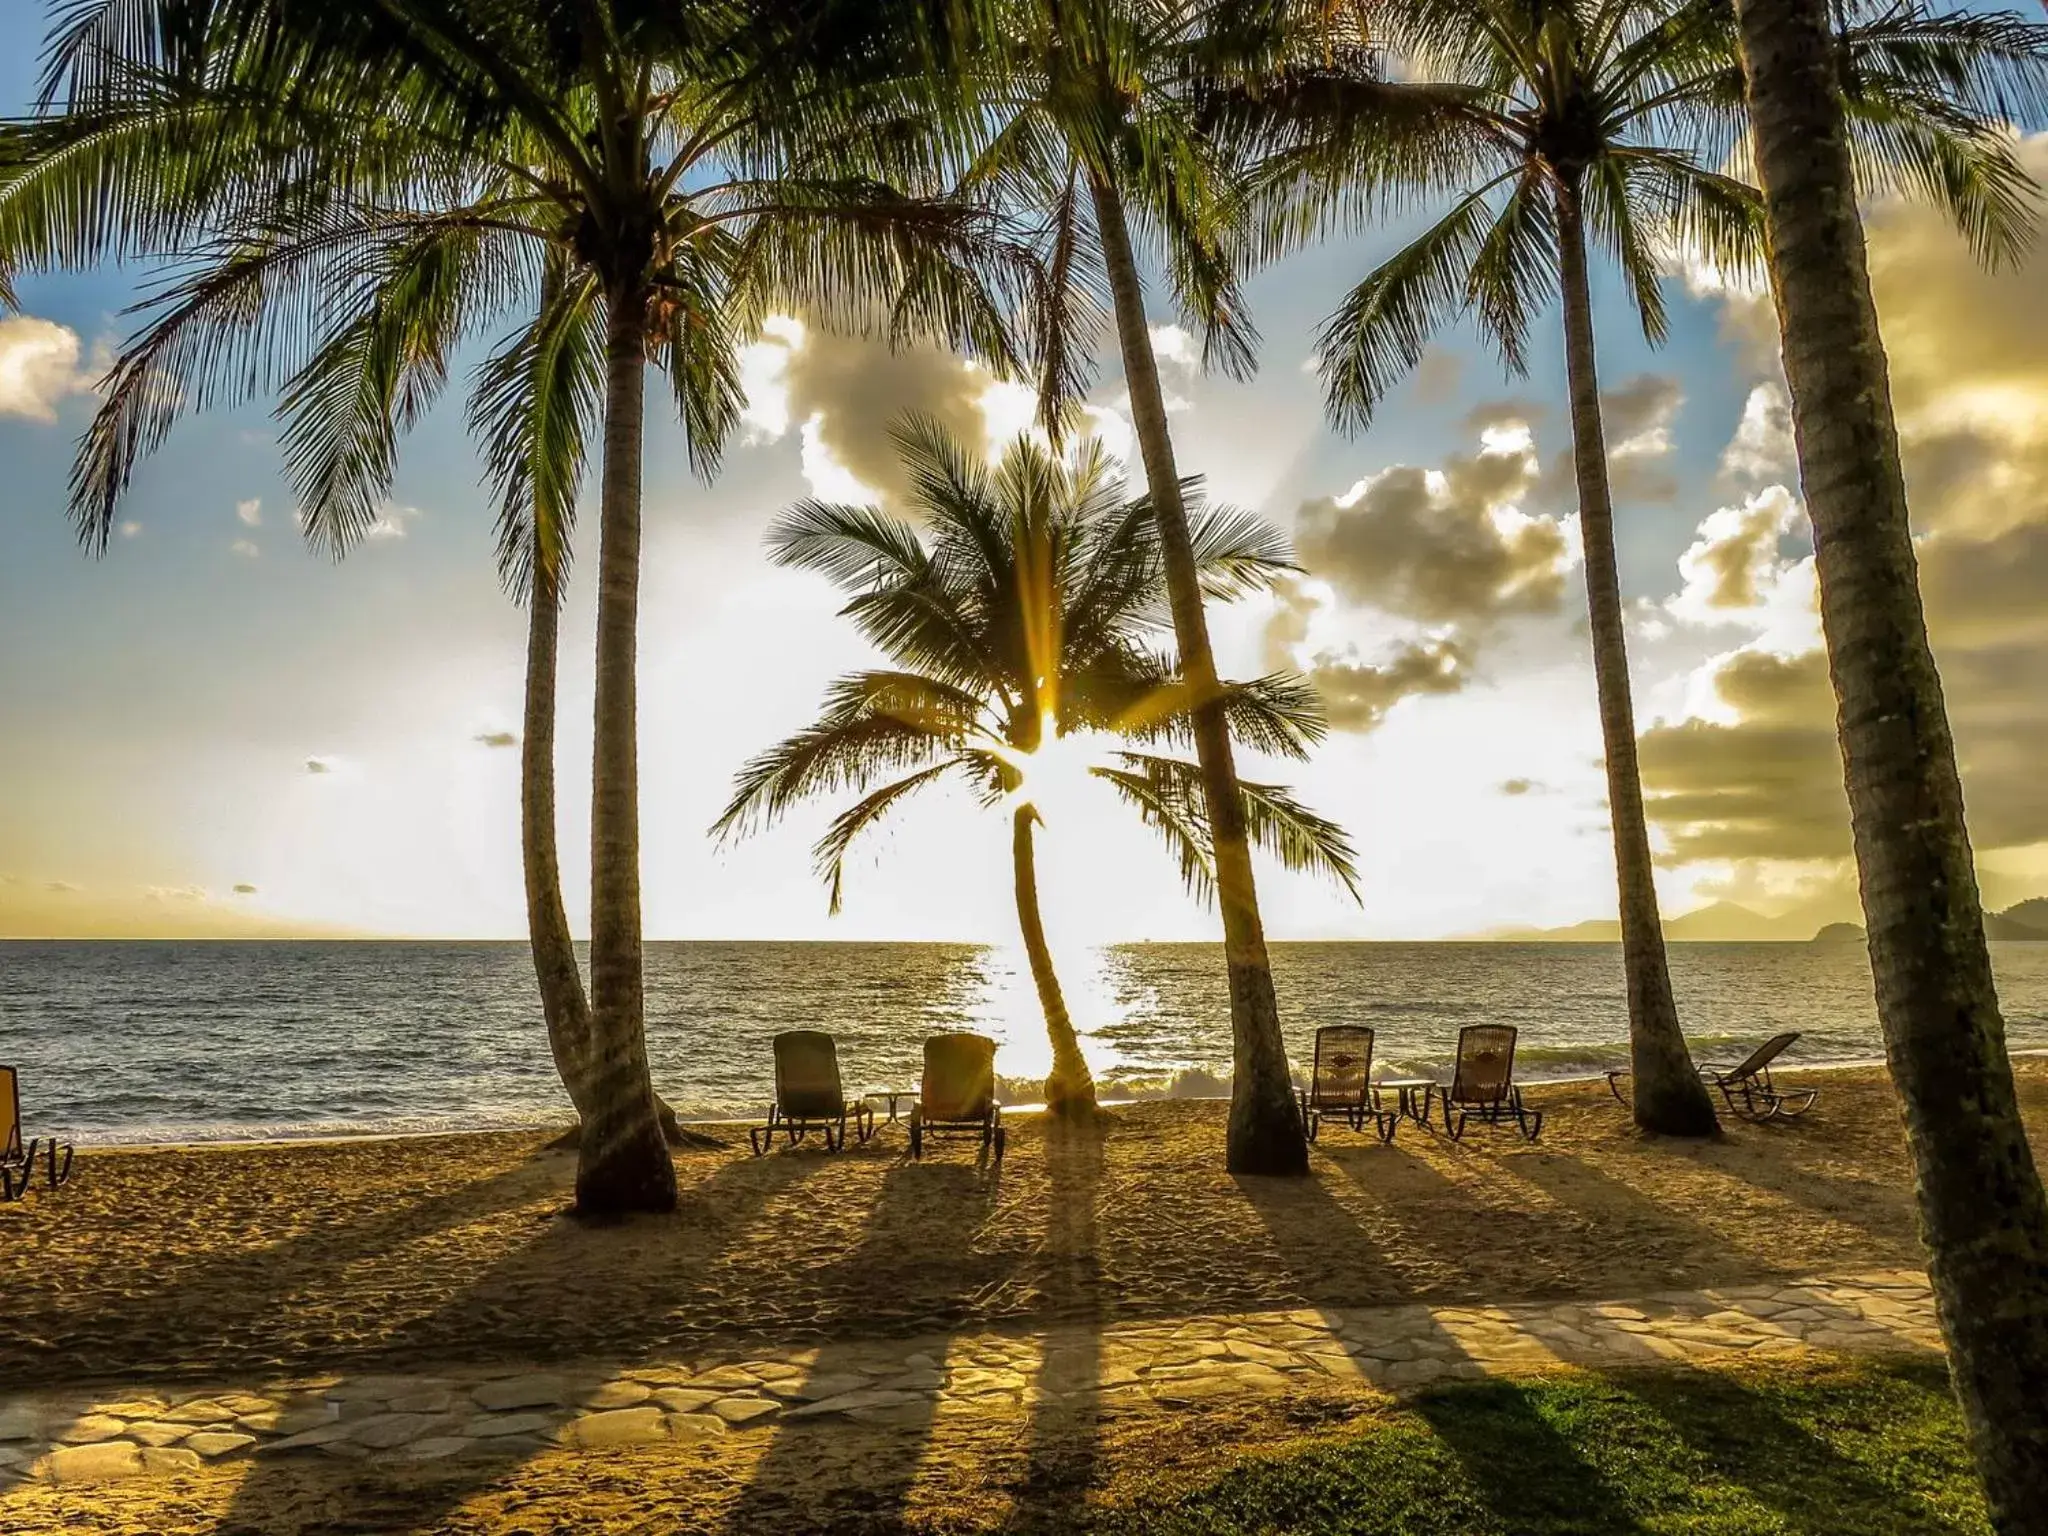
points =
(1388, 1124)
(9, 1190)
(1001, 1137)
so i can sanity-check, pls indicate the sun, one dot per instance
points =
(1059, 775)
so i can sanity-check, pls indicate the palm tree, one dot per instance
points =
(1092, 129)
(1021, 616)
(1982, 1210)
(1552, 122)
(693, 164)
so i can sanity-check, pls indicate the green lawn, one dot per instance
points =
(1838, 1447)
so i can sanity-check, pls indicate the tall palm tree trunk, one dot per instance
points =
(562, 1000)
(623, 1162)
(1265, 1135)
(1070, 1090)
(1982, 1211)
(1669, 1097)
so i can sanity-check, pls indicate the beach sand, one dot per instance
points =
(412, 1252)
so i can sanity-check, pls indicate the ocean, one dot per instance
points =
(142, 1041)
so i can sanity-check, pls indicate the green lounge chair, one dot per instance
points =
(809, 1096)
(1748, 1089)
(18, 1159)
(958, 1094)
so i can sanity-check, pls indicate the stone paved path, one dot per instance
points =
(138, 1429)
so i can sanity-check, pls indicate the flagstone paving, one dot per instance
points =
(141, 1429)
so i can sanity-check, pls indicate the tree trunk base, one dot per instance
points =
(1070, 1096)
(1264, 1150)
(1676, 1113)
(673, 1131)
(629, 1173)
(677, 1134)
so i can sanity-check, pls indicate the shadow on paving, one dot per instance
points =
(274, 1494)
(1066, 1419)
(818, 1475)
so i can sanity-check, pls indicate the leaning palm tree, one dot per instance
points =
(1091, 128)
(1555, 126)
(692, 164)
(1982, 1209)
(1023, 612)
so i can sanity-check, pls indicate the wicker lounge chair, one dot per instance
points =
(808, 1095)
(18, 1159)
(1748, 1089)
(1483, 1086)
(1340, 1083)
(958, 1094)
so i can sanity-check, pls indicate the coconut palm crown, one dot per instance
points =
(1025, 605)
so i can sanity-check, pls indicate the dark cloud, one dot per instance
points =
(1431, 548)
(496, 739)
(245, 890)
(1514, 411)
(1518, 787)
(1357, 694)
(1636, 417)
(858, 389)
(319, 765)
(61, 888)
(1640, 410)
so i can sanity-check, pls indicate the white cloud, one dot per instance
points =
(391, 523)
(246, 548)
(250, 511)
(175, 892)
(131, 530)
(1762, 447)
(1176, 349)
(39, 367)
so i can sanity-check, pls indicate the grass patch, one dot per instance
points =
(1874, 1447)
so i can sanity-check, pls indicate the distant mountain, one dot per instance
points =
(1721, 923)
(2027, 922)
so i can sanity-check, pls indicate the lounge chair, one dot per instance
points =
(958, 1094)
(1483, 1086)
(1340, 1083)
(1748, 1089)
(18, 1160)
(808, 1095)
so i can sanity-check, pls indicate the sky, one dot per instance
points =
(215, 731)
